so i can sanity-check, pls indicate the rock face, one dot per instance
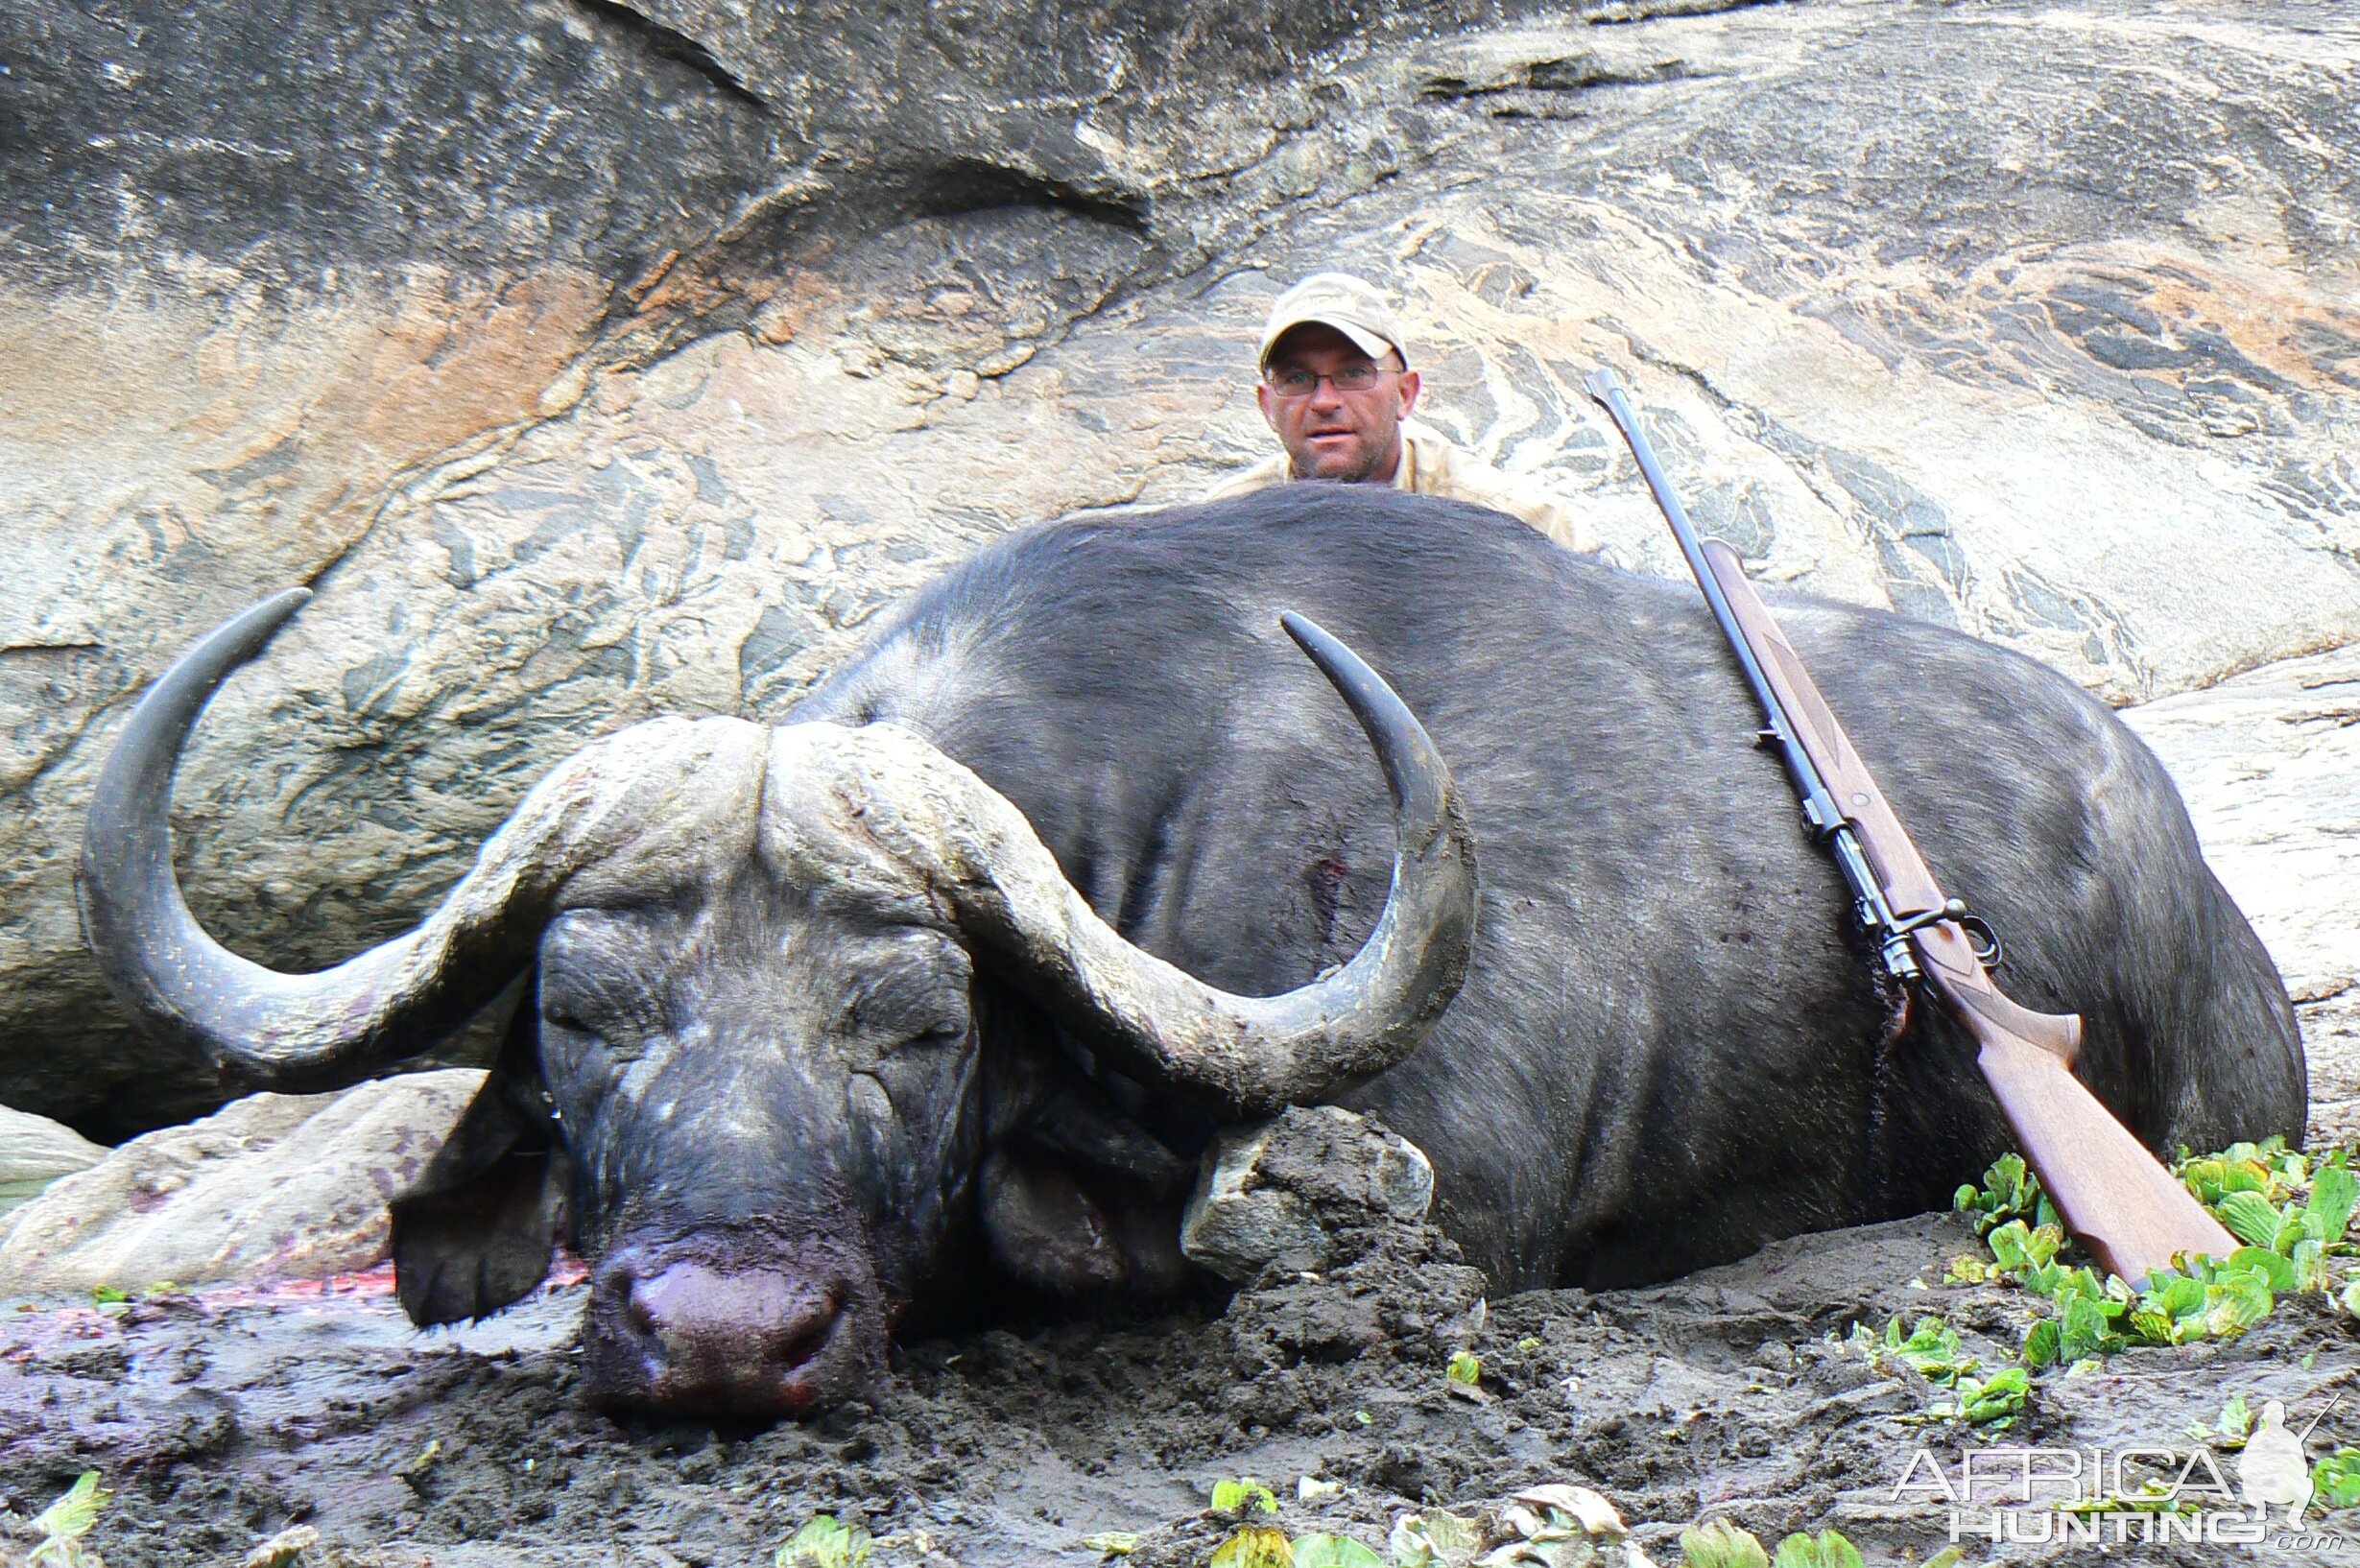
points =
(2270, 762)
(273, 1186)
(594, 360)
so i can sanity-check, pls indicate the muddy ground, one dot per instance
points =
(223, 1418)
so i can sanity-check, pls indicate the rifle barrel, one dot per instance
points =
(1820, 809)
(1603, 386)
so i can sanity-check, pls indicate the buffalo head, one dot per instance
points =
(762, 1078)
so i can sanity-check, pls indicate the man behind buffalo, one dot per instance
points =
(1337, 389)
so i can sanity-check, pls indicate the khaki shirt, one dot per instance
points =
(1431, 465)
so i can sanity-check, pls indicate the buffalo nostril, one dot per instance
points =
(805, 1346)
(689, 1335)
(623, 1291)
(694, 1315)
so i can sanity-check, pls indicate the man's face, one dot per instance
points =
(1348, 436)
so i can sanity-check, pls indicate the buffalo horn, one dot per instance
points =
(1238, 1055)
(335, 1027)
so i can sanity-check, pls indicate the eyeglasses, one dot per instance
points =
(1353, 378)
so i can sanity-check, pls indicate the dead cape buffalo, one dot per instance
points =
(822, 1034)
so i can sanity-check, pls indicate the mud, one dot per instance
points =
(223, 1418)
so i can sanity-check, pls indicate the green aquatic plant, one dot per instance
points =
(2335, 1480)
(2292, 1213)
(65, 1522)
(1719, 1544)
(1993, 1401)
(2010, 1191)
(1932, 1350)
(1828, 1548)
(1228, 1496)
(2229, 1428)
(1434, 1539)
(1253, 1546)
(826, 1543)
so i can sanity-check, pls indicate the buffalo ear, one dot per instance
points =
(477, 1230)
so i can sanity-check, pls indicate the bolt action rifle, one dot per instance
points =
(2115, 1196)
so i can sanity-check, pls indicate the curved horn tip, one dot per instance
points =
(160, 721)
(272, 612)
(155, 958)
(213, 656)
(1346, 671)
(1414, 769)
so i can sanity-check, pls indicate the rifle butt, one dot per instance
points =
(2115, 1198)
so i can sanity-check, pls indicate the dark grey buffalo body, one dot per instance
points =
(1667, 1049)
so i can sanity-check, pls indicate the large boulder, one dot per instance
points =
(1300, 1190)
(594, 361)
(273, 1186)
(34, 1152)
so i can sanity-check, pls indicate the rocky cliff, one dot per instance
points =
(594, 360)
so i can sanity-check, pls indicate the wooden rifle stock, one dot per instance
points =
(2113, 1195)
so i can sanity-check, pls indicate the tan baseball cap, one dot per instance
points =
(1349, 305)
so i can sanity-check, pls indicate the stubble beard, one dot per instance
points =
(1361, 469)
